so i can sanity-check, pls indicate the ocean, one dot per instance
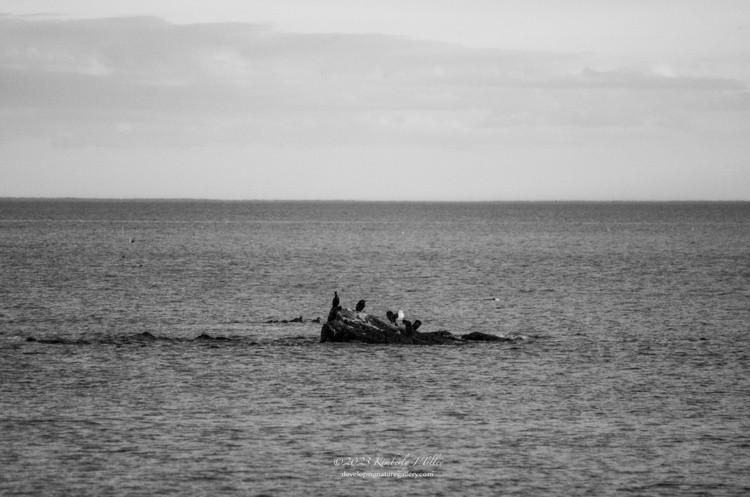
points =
(173, 348)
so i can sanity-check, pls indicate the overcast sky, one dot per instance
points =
(376, 100)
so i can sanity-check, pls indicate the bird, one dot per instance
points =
(409, 327)
(391, 317)
(335, 302)
(416, 325)
(400, 316)
(360, 306)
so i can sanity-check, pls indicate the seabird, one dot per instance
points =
(335, 300)
(409, 327)
(360, 306)
(416, 325)
(391, 317)
(400, 316)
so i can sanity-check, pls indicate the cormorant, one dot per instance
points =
(416, 325)
(409, 327)
(335, 300)
(360, 306)
(391, 317)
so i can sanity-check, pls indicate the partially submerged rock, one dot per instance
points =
(351, 326)
(484, 337)
(295, 320)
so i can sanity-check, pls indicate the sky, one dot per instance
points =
(454, 100)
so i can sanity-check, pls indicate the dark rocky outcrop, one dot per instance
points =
(484, 337)
(352, 326)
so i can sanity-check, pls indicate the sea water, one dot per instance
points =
(144, 349)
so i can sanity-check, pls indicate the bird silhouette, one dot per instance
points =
(416, 325)
(335, 302)
(409, 327)
(360, 306)
(391, 317)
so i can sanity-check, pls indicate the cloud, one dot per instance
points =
(143, 81)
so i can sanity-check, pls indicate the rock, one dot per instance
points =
(285, 321)
(350, 326)
(484, 337)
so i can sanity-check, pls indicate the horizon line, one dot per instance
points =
(313, 200)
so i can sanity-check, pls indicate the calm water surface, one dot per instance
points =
(161, 366)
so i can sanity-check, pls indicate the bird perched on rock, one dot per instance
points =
(416, 325)
(360, 306)
(391, 317)
(335, 302)
(409, 327)
(400, 316)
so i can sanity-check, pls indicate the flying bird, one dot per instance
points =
(360, 306)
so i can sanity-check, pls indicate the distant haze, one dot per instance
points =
(387, 100)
